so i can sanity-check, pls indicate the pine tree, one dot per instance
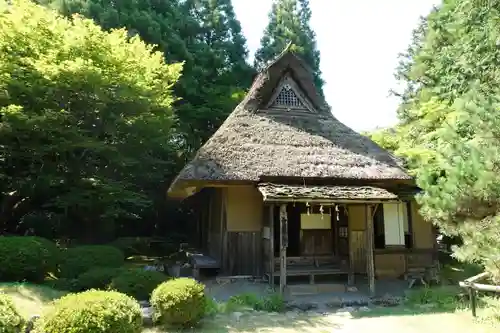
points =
(449, 120)
(289, 21)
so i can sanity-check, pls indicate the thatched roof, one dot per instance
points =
(253, 143)
(278, 192)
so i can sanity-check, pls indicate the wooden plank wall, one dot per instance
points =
(215, 228)
(389, 264)
(358, 251)
(357, 238)
(244, 253)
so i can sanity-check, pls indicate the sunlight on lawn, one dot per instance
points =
(30, 299)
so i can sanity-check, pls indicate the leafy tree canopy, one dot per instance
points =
(450, 119)
(86, 122)
(204, 34)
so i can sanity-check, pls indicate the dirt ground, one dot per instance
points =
(341, 322)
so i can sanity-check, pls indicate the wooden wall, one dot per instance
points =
(357, 240)
(216, 223)
(423, 234)
(242, 243)
(244, 253)
(390, 263)
(393, 262)
(244, 208)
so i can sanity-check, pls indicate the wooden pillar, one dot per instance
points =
(370, 264)
(283, 246)
(271, 246)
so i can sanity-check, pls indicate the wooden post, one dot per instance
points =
(271, 246)
(472, 297)
(283, 246)
(370, 264)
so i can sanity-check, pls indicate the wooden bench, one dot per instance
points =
(311, 266)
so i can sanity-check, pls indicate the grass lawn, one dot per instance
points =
(32, 299)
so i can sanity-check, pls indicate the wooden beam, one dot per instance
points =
(271, 246)
(283, 246)
(222, 226)
(370, 262)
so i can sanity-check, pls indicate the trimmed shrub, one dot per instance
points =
(62, 284)
(10, 320)
(179, 302)
(137, 283)
(131, 246)
(93, 311)
(97, 278)
(27, 258)
(80, 259)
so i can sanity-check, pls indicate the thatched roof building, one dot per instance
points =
(284, 129)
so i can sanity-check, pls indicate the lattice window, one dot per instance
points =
(287, 97)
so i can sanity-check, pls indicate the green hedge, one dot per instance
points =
(80, 259)
(97, 278)
(27, 258)
(10, 320)
(179, 302)
(137, 283)
(92, 311)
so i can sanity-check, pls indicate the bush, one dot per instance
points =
(62, 284)
(271, 303)
(442, 297)
(97, 278)
(93, 311)
(179, 302)
(27, 258)
(137, 283)
(80, 259)
(10, 320)
(131, 246)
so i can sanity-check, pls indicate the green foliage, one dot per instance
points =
(27, 258)
(443, 297)
(138, 283)
(179, 302)
(97, 278)
(62, 284)
(289, 21)
(131, 246)
(80, 259)
(87, 124)
(464, 197)
(212, 307)
(205, 35)
(453, 273)
(271, 303)
(10, 319)
(92, 312)
(449, 124)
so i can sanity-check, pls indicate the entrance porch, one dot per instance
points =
(282, 232)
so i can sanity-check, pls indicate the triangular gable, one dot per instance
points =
(288, 96)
